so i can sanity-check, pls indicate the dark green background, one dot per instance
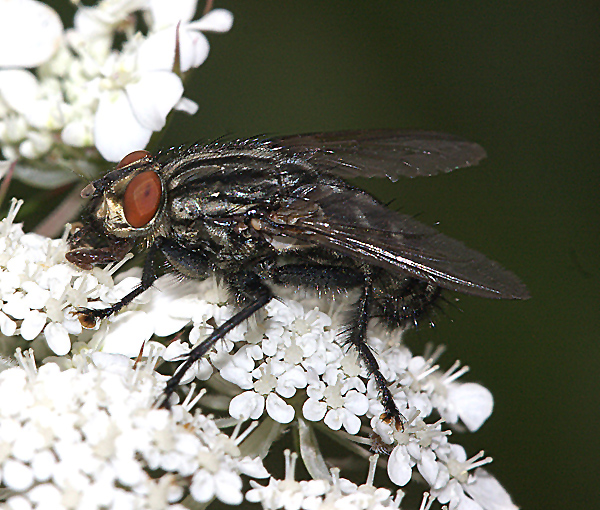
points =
(520, 78)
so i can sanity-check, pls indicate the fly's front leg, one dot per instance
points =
(252, 295)
(356, 336)
(89, 316)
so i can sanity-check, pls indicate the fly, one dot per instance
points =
(259, 213)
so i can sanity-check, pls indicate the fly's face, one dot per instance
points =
(128, 201)
(126, 204)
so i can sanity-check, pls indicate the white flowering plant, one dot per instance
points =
(80, 425)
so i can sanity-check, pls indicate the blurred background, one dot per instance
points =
(521, 79)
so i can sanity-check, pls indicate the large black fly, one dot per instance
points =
(263, 212)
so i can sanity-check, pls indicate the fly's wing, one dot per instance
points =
(383, 153)
(353, 223)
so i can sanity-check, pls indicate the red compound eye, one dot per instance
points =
(132, 157)
(142, 198)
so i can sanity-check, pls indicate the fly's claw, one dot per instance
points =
(393, 419)
(89, 317)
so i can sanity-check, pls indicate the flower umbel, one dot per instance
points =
(88, 437)
(92, 433)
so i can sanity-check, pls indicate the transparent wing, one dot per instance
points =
(383, 153)
(353, 223)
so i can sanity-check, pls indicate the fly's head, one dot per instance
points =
(126, 204)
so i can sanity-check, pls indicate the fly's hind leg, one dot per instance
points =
(340, 278)
(356, 336)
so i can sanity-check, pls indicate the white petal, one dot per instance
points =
(290, 380)
(15, 306)
(153, 97)
(428, 467)
(466, 503)
(186, 105)
(203, 486)
(32, 324)
(79, 133)
(168, 324)
(473, 402)
(314, 410)
(30, 33)
(57, 338)
(334, 419)
(193, 49)
(278, 409)
(45, 495)
(398, 468)
(10, 281)
(351, 422)
(111, 362)
(247, 405)
(127, 333)
(128, 471)
(191, 372)
(217, 20)
(35, 296)
(89, 24)
(174, 350)
(252, 467)
(17, 475)
(167, 12)
(488, 492)
(19, 88)
(7, 325)
(157, 51)
(228, 487)
(237, 375)
(356, 402)
(117, 131)
(37, 145)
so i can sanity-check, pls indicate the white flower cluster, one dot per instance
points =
(322, 494)
(284, 365)
(40, 291)
(89, 89)
(88, 437)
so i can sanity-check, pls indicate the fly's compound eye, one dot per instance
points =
(132, 157)
(142, 198)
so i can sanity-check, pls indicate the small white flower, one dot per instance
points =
(337, 404)
(173, 24)
(134, 101)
